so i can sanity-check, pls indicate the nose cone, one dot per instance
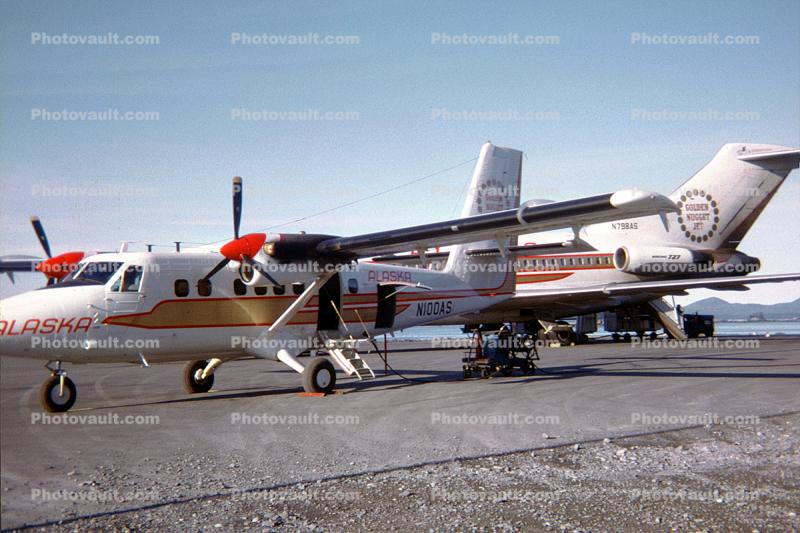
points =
(30, 322)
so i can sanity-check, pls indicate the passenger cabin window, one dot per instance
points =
(298, 288)
(352, 285)
(279, 289)
(260, 291)
(181, 288)
(204, 287)
(239, 288)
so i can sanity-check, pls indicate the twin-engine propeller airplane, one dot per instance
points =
(275, 296)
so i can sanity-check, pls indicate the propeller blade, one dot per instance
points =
(237, 205)
(39, 229)
(217, 268)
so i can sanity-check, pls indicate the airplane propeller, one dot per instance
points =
(242, 248)
(39, 229)
(58, 267)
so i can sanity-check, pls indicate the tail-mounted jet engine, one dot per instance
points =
(659, 261)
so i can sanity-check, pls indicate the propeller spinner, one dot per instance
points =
(241, 249)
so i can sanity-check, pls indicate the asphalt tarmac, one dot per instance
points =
(136, 441)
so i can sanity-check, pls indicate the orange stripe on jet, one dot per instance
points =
(539, 278)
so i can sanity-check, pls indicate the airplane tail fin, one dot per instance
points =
(495, 186)
(720, 202)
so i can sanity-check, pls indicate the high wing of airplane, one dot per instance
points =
(276, 296)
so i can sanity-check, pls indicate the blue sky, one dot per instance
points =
(171, 177)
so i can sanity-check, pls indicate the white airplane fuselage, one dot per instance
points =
(160, 322)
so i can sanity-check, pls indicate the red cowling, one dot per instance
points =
(60, 266)
(248, 245)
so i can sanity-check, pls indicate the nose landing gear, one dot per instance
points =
(198, 376)
(58, 392)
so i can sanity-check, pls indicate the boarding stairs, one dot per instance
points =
(345, 355)
(665, 313)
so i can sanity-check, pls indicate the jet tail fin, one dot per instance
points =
(495, 186)
(721, 202)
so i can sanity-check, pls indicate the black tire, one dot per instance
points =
(190, 383)
(627, 337)
(615, 337)
(319, 376)
(507, 370)
(653, 335)
(49, 395)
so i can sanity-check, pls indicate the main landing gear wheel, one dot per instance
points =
(191, 378)
(56, 398)
(319, 376)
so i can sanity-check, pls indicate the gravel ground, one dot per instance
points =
(708, 478)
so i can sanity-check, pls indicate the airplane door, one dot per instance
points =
(125, 295)
(330, 300)
(122, 297)
(387, 305)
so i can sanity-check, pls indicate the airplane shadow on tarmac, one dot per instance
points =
(601, 366)
(382, 383)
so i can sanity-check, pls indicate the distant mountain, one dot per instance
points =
(723, 310)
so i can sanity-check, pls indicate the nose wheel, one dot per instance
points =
(58, 392)
(193, 381)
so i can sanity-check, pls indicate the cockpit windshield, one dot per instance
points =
(96, 272)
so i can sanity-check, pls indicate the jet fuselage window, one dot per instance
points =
(279, 289)
(260, 291)
(298, 288)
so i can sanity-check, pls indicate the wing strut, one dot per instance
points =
(300, 302)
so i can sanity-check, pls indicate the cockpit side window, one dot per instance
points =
(132, 278)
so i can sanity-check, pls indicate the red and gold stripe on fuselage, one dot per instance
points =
(247, 311)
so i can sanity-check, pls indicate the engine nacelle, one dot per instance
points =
(737, 264)
(659, 261)
(271, 272)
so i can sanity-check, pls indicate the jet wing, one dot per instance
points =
(536, 297)
(627, 203)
